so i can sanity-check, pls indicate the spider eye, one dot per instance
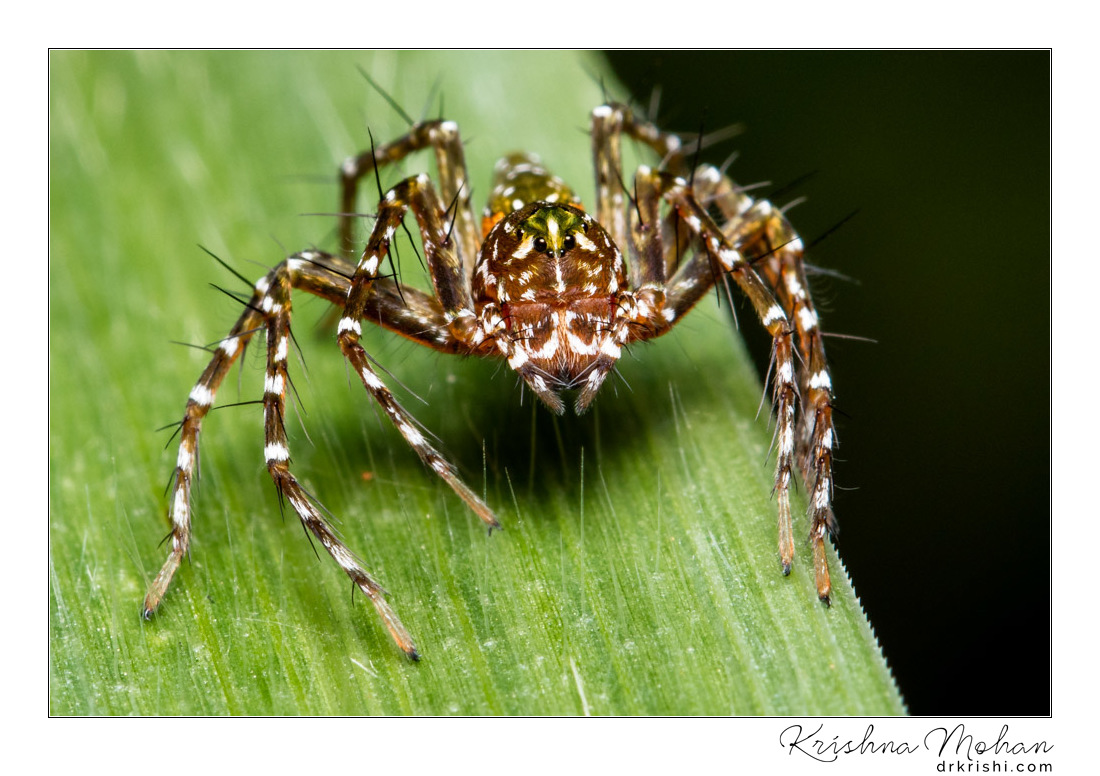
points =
(569, 243)
(540, 245)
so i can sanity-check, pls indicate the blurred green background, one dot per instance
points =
(946, 444)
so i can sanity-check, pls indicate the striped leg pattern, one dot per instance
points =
(754, 245)
(772, 246)
(269, 309)
(199, 403)
(441, 136)
(453, 294)
(445, 322)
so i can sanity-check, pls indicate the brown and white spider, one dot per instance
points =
(546, 287)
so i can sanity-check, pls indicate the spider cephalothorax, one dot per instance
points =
(545, 286)
(548, 289)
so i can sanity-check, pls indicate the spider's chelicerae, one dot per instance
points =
(544, 285)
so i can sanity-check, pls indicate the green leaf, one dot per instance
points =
(637, 570)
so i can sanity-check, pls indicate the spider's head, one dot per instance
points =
(548, 252)
(552, 230)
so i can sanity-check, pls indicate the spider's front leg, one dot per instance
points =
(268, 309)
(690, 280)
(199, 403)
(453, 297)
(277, 454)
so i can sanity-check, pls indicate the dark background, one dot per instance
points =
(945, 446)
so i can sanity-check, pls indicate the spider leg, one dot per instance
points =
(688, 284)
(276, 303)
(762, 236)
(771, 245)
(269, 307)
(453, 296)
(399, 308)
(454, 186)
(609, 123)
(199, 403)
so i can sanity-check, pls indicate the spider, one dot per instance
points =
(544, 285)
